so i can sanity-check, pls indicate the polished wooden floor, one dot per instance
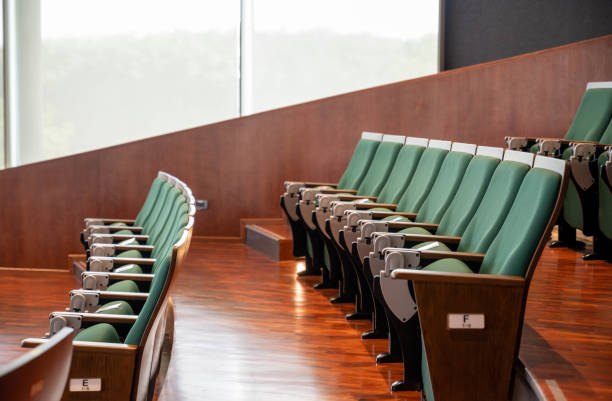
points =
(246, 328)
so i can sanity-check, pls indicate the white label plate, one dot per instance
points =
(469, 321)
(88, 384)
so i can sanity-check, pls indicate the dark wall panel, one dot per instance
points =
(477, 31)
(239, 165)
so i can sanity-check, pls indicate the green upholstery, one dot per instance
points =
(494, 207)
(118, 224)
(422, 180)
(358, 166)
(149, 202)
(129, 254)
(606, 138)
(444, 188)
(405, 164)
(448, 265)
(469, 195)
(130, 269)
(123, 232)
(592, 117)
(124, 286)
(101, 332)
(441, 247)
(116, 308)
(379, 169)
(572, 207)
(605, 201)
(415, 230)
(135, 334)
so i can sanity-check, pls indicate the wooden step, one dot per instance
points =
(271, 237)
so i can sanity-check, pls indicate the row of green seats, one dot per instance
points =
(584, 145)
(121, 308)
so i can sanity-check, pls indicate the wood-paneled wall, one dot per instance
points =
(238, 165)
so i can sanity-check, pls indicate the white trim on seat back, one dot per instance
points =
(435, 143)
(163, 175)
(521, 157)
(490, 151)
(373, 136)
(410, 140)
(394, 138)
(550, 163)
(464, 148)
(598, 85)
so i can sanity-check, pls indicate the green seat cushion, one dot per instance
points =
(101, 332)
(128, 269)
(439, 246)
(124, 286)
(415, 230)
(397, 219)
(118, 224)
(380, 209)
(123, 232)
(132, 253)
(448, 265)
(535, 148)
(116, 308)
(592, 116)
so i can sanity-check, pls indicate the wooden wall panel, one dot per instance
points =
(238, 165)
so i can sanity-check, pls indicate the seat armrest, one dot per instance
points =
(337, 191)
(399, 225)
(103, 221)
(357, 197)
(387, 214)
(446, 239)
(458, 278)
(364, 206)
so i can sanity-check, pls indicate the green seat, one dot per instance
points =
(604, 216)
(361, 159)
(591, 118)
(101, 332)
(124, 286)
(129, 269)
(116, 308)
(514, 245)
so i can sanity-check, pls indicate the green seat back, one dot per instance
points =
(379, 168)
(514, 245)
(162, 218)
(422, 180)
(494, 207)
(469, 194)
(151, 219)
(403, 169)
(358, 166)
(160, 231)
(135, 334)
(149, 202)
(442, 191)
(606, 138)
(593, 115)
(605, 201)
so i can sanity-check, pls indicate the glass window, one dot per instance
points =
(304, 50)
(104, 72)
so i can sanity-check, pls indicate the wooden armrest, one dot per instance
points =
(357, 197)
(458, 278)
(407, 224)
(123, 237)
(136, 261)
(35, 342)
(319, 184)
(144, 248)
(134, 229)
(387, 214)
(110, 221)
(337, 191)
(391, 206)
(446, 239)
(464, 256)
(122, 276)
(108, 318)
(125, 296)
